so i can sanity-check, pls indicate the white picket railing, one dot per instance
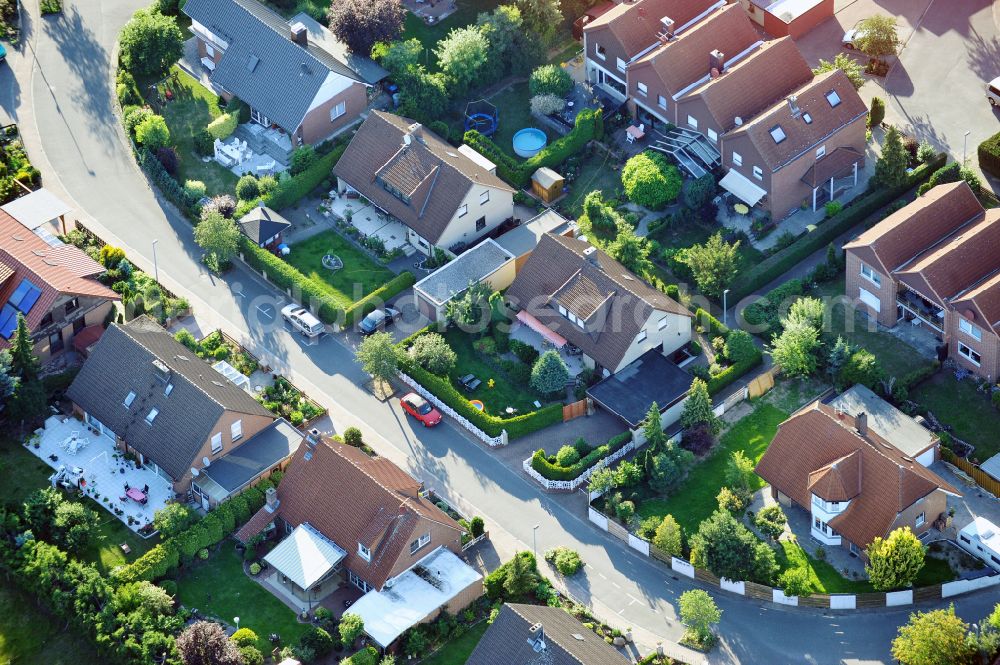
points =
(572, 485)
(492, 441)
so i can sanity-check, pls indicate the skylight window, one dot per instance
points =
(778, 134)
(151, 416)
(129, 399)
(833, 98)
(808, 118)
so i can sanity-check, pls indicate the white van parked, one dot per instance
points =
(993, 92)
(302, 320)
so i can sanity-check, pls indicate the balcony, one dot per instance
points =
(918, 310)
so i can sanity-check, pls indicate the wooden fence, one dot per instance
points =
(761, 383)
(981, 478)
(575, 410)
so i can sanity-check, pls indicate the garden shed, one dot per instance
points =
(547, 184)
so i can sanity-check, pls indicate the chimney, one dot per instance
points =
(667, 24)
(536, 637)
(793, 106)
(861, 423)
(299, 34)
(717, 60)
(271, 498)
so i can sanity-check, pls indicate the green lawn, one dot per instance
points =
(29, 635)
(105, 550)
(218, 587)
(456, 652)
(596, 172)
(359, 276)
(897, 357)
(824, 578)
(960, 405)
(514, 107)
(189, 112)
(429, 35)
(697, 234)
(695, 500)
(504, 393)
(22, 472)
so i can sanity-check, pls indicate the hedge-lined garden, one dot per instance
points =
(741, 365)
(573, 460)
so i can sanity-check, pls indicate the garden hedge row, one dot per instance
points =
(166, 183)
(589, 126)
(312, 292)
(541, 463)
(164, 557)
(290, 191)
(857, 211)
(378, 297)
(733, 372)
(989, 155)
(442, 388)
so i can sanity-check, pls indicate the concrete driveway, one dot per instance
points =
(935, 90)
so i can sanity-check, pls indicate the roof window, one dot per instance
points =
(778, 134)
(833, 98)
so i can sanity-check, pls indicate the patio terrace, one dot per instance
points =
(99, 469)
(523, 333)
(371, 221)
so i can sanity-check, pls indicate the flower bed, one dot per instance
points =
(17, 167)
(215, 347)
(284, 399)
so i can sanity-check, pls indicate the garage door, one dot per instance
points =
(870, 299)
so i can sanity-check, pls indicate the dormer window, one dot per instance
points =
(778, 134)
(364, 552)
(833, 98)
(392, 190)
(602, 53)
(128, 400)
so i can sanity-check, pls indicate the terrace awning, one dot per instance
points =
(541, 329)
(742, 188)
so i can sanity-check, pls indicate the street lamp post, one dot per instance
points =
(725, 308)
(965, 146)
(156, 270)
(534, 540)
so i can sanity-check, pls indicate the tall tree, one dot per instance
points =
(218, 236)
(728, 549)
(461, 54)
(698, 407)
(23, 362)
(630, 250)
(541, 18)
(714, 264)
(739, 474)
(423, 96)
(206, 643)
(890, 169)
(549, 374)
(362, 23)
(795, 350)
(149, 44)
(938, 637)
(669, 536)
(501, 28)
(398, 57)
(8, 380)
(894, 562)
(699, 613)
(472, 310)
(846, 64)
(877, 36)
(377, 355)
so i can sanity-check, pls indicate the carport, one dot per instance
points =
(651, 378)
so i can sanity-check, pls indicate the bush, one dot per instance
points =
(550, 471)
(566, 561)
(476, 526)
(168, 158)
(877, 113)
(567, 456)
(547, 104)
(650, 181)
(223, 127)
(353, 437)
(247, 188)
(433, 353)
(195, 189)
(134, 117)
(440, 127)
(550, 80)
(152, 133)
(244, 637)
(303, 158)
(350, 628)
(857, 211)
(318, 641)
(989, 155)
(526, 353)
(254, 568)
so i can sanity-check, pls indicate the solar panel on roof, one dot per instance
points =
(8, 321)
(25, 296)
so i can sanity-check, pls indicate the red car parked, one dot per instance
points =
(421, 409)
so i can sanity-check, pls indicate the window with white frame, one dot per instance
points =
(737, 159)
(600, 51)
(236, 430)
(921, 518)
(364, 552)
(217, 442)
(692, 122)
(168, 389)
(464, 210)
(871, 275)
(129, 399)
(778, 134)
(970, 329)
(758, 173)
(662, 323)
(641, 87)
(338, 110)
(484, 198)
(820, 151)
(621, 65)
(661, 101)
(969, 354)
(420, 542)
(713, 136)
(642, 336)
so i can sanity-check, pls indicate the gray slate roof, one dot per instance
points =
(886, 420)
(453, 278)
(367, 69)
(567, 641)
(262, 223)
(650, 378)
(259, 453)
(285, 78)
(122, 362)
(428, 170)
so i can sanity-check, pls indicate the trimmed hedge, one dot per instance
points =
(541, 464)
(442, 388)
(731, 373)
(989, 155)
(290, 191)
(310, 291)
(709, 322)
(370, 302)
(182, 548)
(589, 126)
(166, 183)
(857, 211)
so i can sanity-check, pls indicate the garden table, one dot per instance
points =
(136, 495)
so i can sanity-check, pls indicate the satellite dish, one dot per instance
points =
(207, 462)
(194, 471)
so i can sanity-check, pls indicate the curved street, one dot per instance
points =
(58, 89)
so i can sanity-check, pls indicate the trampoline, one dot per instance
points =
(481, 116)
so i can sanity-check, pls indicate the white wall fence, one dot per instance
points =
(579, 481)
(491, 441)
(950, 589)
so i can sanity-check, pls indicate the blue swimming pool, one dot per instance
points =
(528, 141)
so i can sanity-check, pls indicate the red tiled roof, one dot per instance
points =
(820, 448)
(87, 337)
(635, 25)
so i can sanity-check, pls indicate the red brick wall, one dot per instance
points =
(317, 125)
(886, 295)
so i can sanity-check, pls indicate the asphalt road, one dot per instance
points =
(61, 97)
